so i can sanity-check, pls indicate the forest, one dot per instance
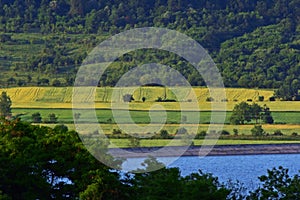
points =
(35, 165)
(255, 43)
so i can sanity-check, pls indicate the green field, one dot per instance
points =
(46, 100)
(142, 117)
(122, 143)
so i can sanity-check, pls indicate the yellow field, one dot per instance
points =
(52, 97)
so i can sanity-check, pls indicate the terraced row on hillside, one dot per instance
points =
(105, 94)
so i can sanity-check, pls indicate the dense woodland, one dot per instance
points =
(34, 165)
(255, 43)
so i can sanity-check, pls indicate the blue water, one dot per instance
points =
(246, 169)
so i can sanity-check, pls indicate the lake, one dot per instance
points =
(246, 168)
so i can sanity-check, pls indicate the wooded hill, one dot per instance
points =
(255, 43)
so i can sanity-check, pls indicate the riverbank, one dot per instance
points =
(217, 150)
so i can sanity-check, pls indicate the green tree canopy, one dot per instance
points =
(42, 163)
(5, 105)
(244, 112)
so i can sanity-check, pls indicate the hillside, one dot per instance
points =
(254, 43)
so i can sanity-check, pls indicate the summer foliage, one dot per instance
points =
(34, 165)
(254, 43)
(243, 113)
(5, 104)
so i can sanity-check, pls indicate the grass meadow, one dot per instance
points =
(58, 100)
(122, 143)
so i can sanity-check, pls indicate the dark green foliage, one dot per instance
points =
(209, 99)
(294, 134)
(36, 117)
(254, 43)
(272, 99)
(36, 159)
(128, 98)
(168, 184)
(287, 92)
(257, 131)
(52, 118)
(134, 141)
(56, 83)
(261, 98)
(243, 112)
(235, 132)
(164, 134)
(200, 135)
(224, 132)
(277, 185)
(117, 132)
(266, 115)
(61, 128)
(278, 133)
(5, 105)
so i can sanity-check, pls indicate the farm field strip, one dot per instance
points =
(142, 117)
(61, 97)
(123, 143)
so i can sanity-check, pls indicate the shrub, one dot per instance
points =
(77, 115)
(200, 135)
(249, 100)
(128, 98)
(277, 133)
(164, 134)
(117, 131)
(294, 134)
(235, 131)
(224, 132)
(36, 117)
(261, 98)
(272, 98)
(52, 118)
(181, 131)
(169, 100)
(209, 99)
(159, 99)
(257, 131)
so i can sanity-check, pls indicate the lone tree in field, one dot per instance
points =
(241, 113)
(5, 105)
(244, 112)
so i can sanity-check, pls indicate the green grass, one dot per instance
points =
(122, 143)
(143, 117)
